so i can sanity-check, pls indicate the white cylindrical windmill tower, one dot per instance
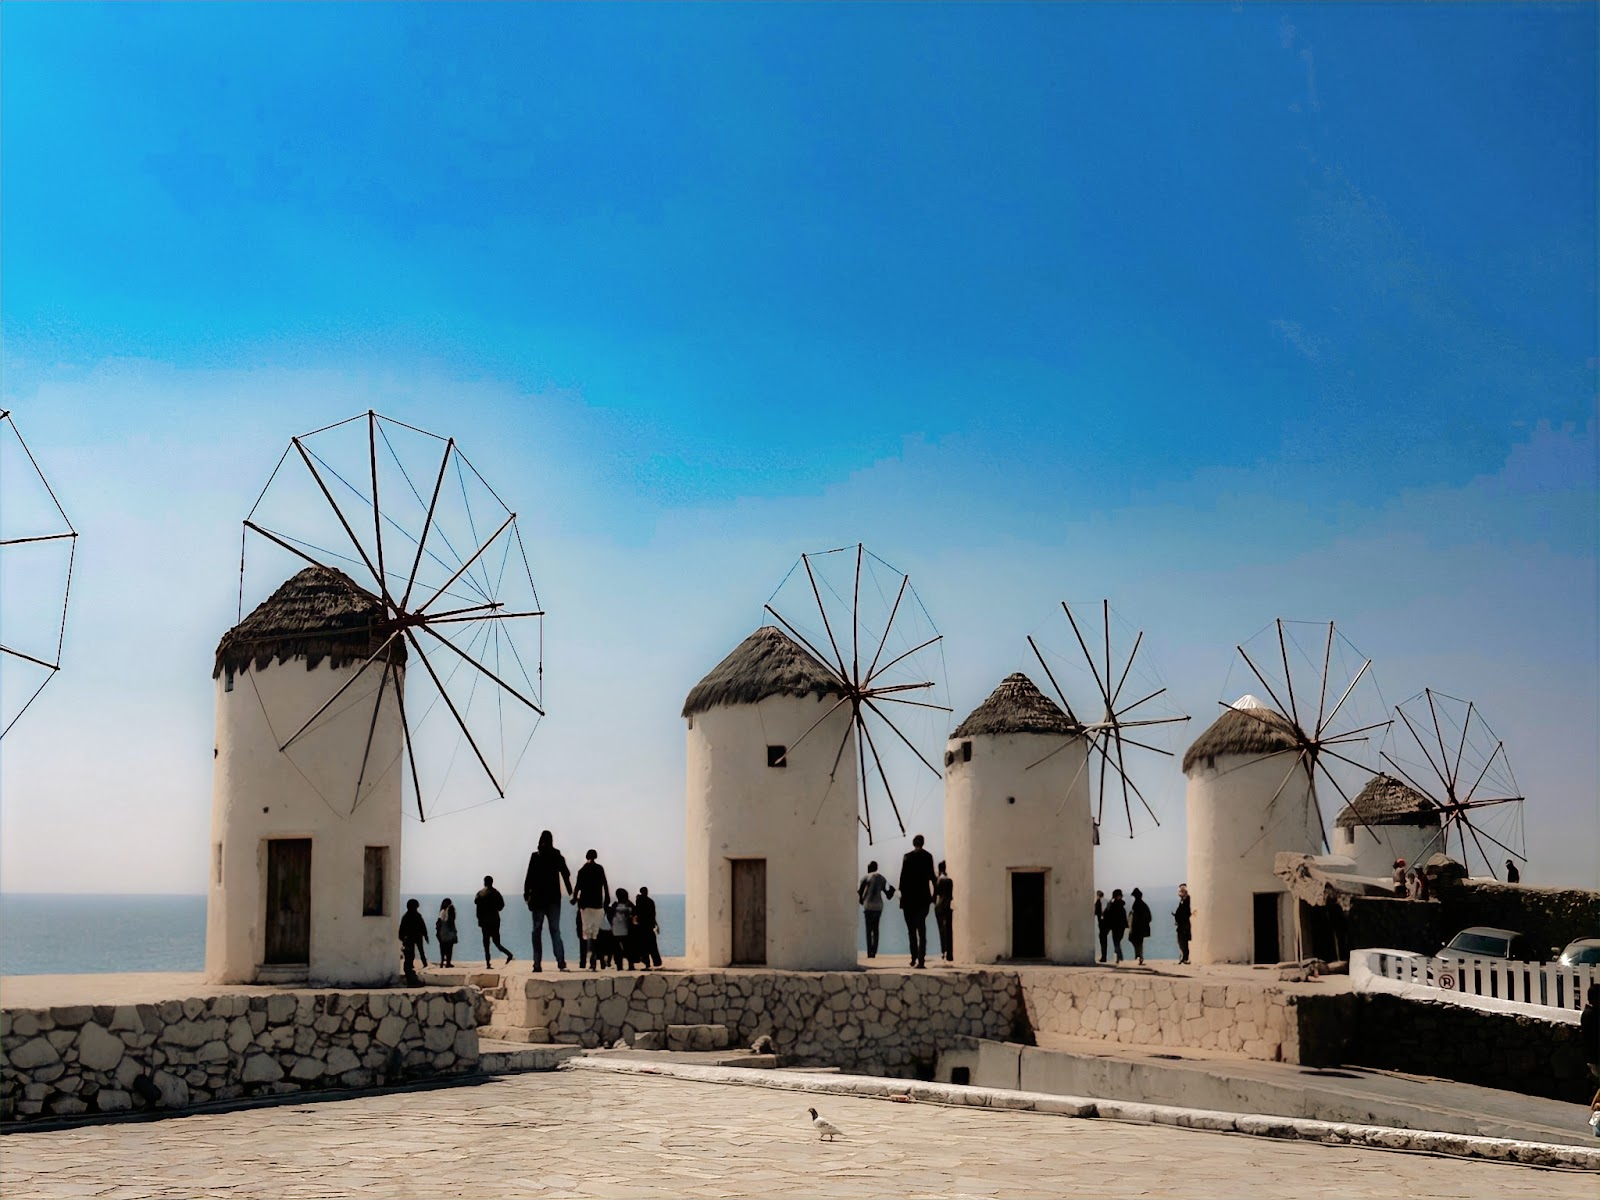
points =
(305, 813)
(772, 819)
(1018, 834)
(1249, 799)
(1388, 819)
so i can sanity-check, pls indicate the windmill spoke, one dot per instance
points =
(1105, 761)
(1266, 825)
(1132, 654)
(1455, 772)
(897, 687)
(1499, 751)
(329, 702)
(915, 703)
(921, 646)
(1262, 679)
(1061, 695)
(1127, 782)
(861, 757)
(1105, 611)
(884, 776)
(855, 622)
(905, 580)
(1438, 769)
(1146, 699)
(826, 624)
(806, 642)
(1288, 676)
(1388, 758)
(51, 666)
(1364, 668)
(493, 616)
(339, 512)
(272, 537)
(1145, 723)
(372, 728)
(1094, 667)
(1492, 838)
(1444, 755)
(26, 703)
(43, 537)
(451, 705)
(480, 667)
(1470, 828)
(1067, 741)
(1352, 735)
(1116, 732)
(427, 524)
(464, 566)
(471, 608)
(1322, 691)
(1071, 783)
(896, 730)
(377, 515)
(1360, 766)
(841, 701)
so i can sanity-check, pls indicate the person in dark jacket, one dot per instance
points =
(944, 894)
(592, 894)
(541, 889)
(1589, 1028)
(646, 929)
(1116, 920)
(1100, 921)
(871, 892)
(1512, 874)
(445, 926)
(1182, 917)
(916, 897)
(413, 936)
(489, 903)
(1138, 925)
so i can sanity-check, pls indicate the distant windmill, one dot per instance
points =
(38, 548)
(1444, 748)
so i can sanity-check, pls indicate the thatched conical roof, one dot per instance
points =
(1248, 727)
(1016, 706)
(1388, 801)
(318, 614)
(767, 663)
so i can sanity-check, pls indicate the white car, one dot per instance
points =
(1585, 952)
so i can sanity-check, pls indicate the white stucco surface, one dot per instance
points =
(802, 823)
(261, 793)
(1236, 829)
(1001, 817)
(1375, 847)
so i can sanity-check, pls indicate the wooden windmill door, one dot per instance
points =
(289, 900)
(749, 912)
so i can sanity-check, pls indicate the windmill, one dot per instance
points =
(436, 568)
(1123, 723)
(38, 548)
(1444, 748)
(885, 657)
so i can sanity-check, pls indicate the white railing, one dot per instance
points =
(1542, 985)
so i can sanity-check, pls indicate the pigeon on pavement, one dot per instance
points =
(824, 1127)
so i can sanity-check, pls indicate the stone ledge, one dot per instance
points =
(1538, 1154)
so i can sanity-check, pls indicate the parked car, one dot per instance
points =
(1585, 952)
(1481, 941)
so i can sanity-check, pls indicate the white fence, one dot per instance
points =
(1540, 985)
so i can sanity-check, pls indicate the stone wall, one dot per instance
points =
(1548, 917)
(876, 1023)
(178, 1053)
(1393, 924)
(1256, 1020)
(1528, 1054)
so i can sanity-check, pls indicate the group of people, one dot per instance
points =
(1115, 917)
(612, 930)
(921, 887)
(1409, 882)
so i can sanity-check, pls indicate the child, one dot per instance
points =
(622, 929)
(413, 934)
(445, 927)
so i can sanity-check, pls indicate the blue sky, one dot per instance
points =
(1224, 312)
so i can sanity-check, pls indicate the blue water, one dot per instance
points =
(64, 935)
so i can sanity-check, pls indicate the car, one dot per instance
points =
(1482, 941)
(1585, 952)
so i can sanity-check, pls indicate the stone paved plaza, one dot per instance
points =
(594, 1134)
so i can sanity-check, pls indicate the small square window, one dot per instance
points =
(375, 869)
(777, 756)
(966, 751)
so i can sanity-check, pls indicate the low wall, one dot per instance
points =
(875, 1023)
(1398, 924)
(1256, 1020)
(1538, 1056)
(1548, 918)
(68, 1060)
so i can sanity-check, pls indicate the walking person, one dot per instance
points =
(872, 891)
(592, 894)
(1182, 917)
(541, 890)
(646, 929)
(621, 918)
(444, 927)
(1138, 925)
(489, 903)
(1116, 920)
(1512, 874)
(1100, 921)
(944, 894)
(916, 897)
(413, 937)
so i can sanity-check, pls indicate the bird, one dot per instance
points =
(824, 1127)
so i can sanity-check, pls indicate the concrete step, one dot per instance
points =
(512, 1033)
(462, 976)
(508, 1058)
(697, 1037)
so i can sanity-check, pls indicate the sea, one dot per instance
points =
(44, 934)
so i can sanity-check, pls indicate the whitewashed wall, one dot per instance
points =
(739, 807)
(260, 793)
(999, 816)
(1374, 848)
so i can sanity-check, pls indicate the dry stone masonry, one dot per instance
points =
(64, 1061)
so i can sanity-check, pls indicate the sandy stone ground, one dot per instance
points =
(593, 1134)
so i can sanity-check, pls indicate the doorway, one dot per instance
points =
(1266, 925)
(1027, 914)
(289, 901)
(749, 912)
